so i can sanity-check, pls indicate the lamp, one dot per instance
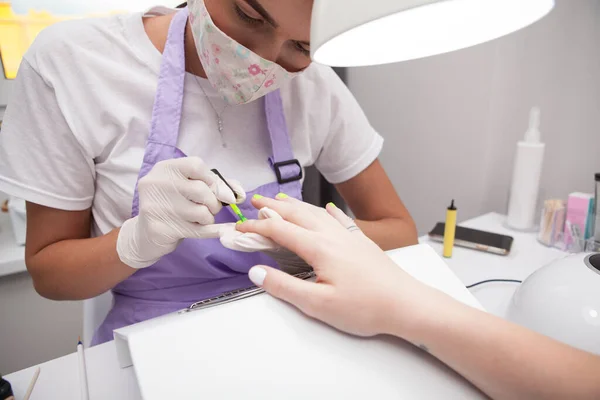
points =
(562, 300)
(347, 33)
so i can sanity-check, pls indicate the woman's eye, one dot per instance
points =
(245, 17)
(301, 49)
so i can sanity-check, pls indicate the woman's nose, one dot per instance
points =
(269, 49)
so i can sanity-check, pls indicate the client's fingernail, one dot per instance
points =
(239, 223)
(282, 196)
(266, 212)
(257, 275)
(257, 197)
(331, 205)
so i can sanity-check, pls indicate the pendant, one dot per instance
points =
(220, 126)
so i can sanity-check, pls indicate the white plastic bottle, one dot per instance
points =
(527, 171)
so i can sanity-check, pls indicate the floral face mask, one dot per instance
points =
(239, 75)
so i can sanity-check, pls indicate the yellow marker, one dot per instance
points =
(449, 230)
(238, 212)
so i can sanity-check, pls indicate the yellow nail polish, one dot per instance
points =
(238, 212)
(332, 205)
(257, 197)
(238, 223)
(282, 196)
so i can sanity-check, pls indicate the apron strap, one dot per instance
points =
(287, 169)
(166, 114)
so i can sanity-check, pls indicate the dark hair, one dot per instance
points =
(184, 5)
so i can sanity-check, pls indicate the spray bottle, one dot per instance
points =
(527, 171)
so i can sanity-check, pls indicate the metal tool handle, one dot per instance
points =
(237, 294)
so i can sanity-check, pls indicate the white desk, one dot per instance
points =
(527, 256)
(59, 379)
(12, 256)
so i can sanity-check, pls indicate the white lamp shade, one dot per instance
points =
(562, 300)
(347, 33)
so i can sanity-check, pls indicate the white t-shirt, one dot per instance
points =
(74, 132)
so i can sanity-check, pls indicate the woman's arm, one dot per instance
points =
(379, 211)
(178, 199)
(64, 262)
(504, 360)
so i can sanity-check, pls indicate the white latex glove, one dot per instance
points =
(252, 242)
(178, 199)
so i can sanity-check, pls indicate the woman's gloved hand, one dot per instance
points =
(178, 199)
(287, 261)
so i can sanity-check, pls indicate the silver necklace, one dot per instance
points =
(218, 114)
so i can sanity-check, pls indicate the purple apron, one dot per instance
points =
(199, 268)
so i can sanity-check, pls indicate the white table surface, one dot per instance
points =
(527, 256)
(12, 256)
(59, 378)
